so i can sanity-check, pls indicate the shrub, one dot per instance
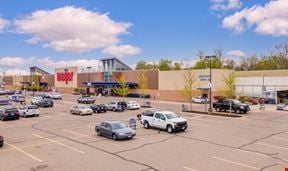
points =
(219, 98)
(244, 99)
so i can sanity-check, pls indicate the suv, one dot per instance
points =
(86, 99)
(98, 108)
(9, 113)
(36, 99)
(116, 106)
(163, 120)
(200, 99)
(235, 105)
(45, 103)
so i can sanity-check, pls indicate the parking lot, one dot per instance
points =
(57, 140)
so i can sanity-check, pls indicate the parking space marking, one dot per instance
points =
(82, 135)
(250, 152)
(206, 120)
(24, 152)
(189, 168)
(57, 142)
(271, 145)
(236, 163)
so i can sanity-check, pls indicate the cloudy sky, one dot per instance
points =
(78, 33)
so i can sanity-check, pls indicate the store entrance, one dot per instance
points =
(282, 96)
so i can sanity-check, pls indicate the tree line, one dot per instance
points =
(277, 59)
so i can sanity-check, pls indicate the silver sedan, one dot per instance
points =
(81, 110)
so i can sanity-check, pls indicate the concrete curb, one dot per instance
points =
(215, 114)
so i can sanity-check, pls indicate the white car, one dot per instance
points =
(29, 110)
(81, 110)
(132, 105)
(55, 95)
(36, 99)
(200, 99)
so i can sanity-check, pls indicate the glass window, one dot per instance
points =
(157, 115)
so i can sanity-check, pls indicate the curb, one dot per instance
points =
(215, 114)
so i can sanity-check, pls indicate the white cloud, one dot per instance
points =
(225, 5)
(237, 53)
(70, 29)
(270, 19)
(3, 24)
(122, 50)
(11, 62)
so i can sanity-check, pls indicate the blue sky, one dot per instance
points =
(135, 30)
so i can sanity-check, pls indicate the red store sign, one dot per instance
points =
(65, 76)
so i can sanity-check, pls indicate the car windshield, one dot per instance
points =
(11, 110)
(236, 101)
(82, 107)
(118, 125)
(171, 115)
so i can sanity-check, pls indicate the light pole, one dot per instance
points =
(210, 84)
(88, 84)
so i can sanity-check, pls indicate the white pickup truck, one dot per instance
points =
(163, 120)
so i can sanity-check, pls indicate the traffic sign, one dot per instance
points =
(210, 85)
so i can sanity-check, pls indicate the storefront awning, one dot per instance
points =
(103, 84)
(29, 83)
(205, 89)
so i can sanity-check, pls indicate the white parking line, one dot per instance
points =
(206, 120)
(236, 163)
(56, 142)
(275, 146)
(117, 145)
(189, 168)
(140, 138)
(24, 152)
(254, 153)
(10, 126)
(82, 135)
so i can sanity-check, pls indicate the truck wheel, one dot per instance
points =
(146, 125)
(238, 111)
(218, 109)
(169, 129)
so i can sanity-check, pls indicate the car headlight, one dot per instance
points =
(241, 107)
(121, 133)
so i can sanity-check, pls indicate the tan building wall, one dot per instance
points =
(266, 73)
(173, 80)
(94, 77)
(50, 79)
(70, 84)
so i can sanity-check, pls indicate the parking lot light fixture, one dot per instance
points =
(210, 83)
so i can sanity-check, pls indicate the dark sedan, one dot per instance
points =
(86, 99)
(1, 141)
(9, 113)
(115, 130)
(98, 108)
(45, 103)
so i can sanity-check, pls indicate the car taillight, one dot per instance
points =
(6, 114)
(17, 113)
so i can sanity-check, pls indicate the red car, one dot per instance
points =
(1, 141)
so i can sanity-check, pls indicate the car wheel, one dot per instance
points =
(114, 137)
(2, 118)
(24, 115)
(99, 133)
(146, 125)
(104, 111)
(218, 109)
(169, 129)
(238, 111)
(80, 113)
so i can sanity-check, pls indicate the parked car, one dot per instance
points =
(282, 107)
(115, 106)
(115, 130)
(29, 110)
(55, 95)
(98, 108)
(45, 103)
(147, 112)
(147, 104)
(4, 102)
(132, 105)
(9, 112)
(236, 106)
(200, 99)
(163, 120)
(36, 99)
(81, 110)
(2, 92)
(10, 92)
(1, 141)
(17, 98)
(137, 95)
(86, 99)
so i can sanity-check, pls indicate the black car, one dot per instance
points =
(115, 130)
(235, 105)
(1, 141)
(45, 103)
(4, 102)
(86, 99)
(98, 108)
(9, 113)
(10, 92)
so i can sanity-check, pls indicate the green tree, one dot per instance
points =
(141, 65)
(229, 84)
(177, 66)
(204, 63)
(142, 84)
(121, 90)
(187, 91)
(165, 65)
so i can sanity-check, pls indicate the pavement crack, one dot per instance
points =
(266, 167)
